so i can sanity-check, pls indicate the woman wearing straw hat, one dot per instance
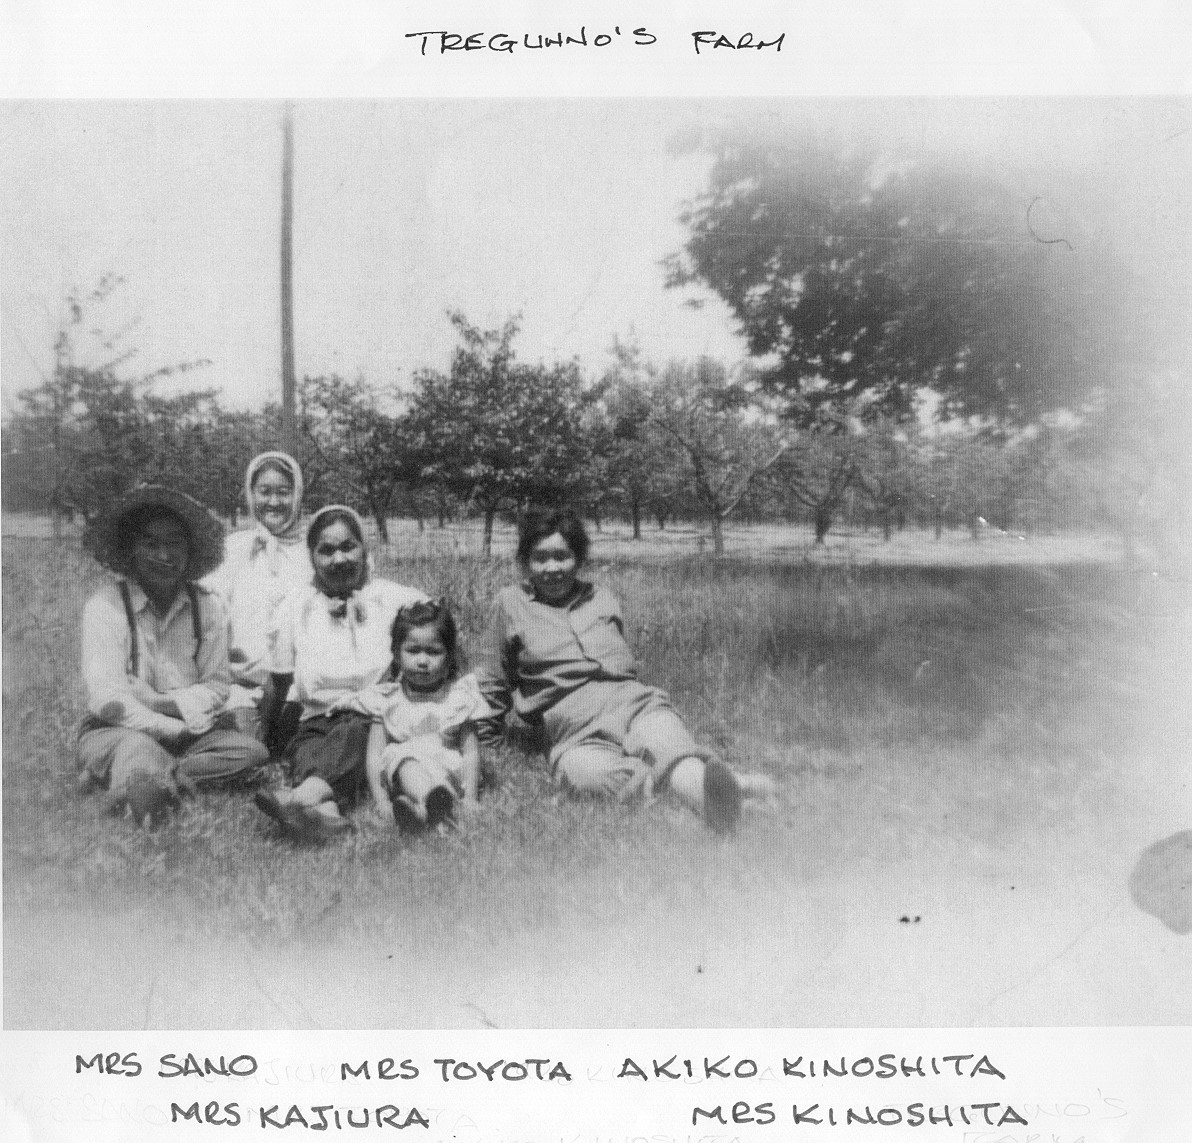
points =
(155, 657)
(331, 641)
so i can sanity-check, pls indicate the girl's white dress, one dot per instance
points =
(425, 727)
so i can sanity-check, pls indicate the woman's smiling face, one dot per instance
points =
(338, 558)
(273, 499)
(552, 568)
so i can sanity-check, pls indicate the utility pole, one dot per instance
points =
(289, 430)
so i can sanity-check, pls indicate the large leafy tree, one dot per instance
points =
(497, 432)
(859, 281)
(633, 461)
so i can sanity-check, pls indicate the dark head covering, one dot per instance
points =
(111, 535)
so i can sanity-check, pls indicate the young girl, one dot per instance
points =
(423, 758)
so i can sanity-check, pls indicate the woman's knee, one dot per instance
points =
(591, 770)
(133, 752)
(222, 755)
(664, 740)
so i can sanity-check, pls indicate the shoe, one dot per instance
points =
(440, 805)
(87, 783)
(296, 821)
(722, 797)
(329, 822)
(150, 799)
(407, 813)
(412, 816)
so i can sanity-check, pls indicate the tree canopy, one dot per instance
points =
(501, 432)
(859, 281)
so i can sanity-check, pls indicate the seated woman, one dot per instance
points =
(261, 566)
(155, 657)
(330, 642)
(555, 652)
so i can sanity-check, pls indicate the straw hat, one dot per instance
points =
(110, 536)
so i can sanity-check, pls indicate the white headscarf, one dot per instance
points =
(351, 608)
(291, 533)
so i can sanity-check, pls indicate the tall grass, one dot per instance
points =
(898, 708)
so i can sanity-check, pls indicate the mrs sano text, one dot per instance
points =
(704, 42)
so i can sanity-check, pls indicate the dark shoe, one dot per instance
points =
(87, 783)
(295, 820)
(407, 813)
(150, 799)
(412, 817)
(440, 805)
(722, 797)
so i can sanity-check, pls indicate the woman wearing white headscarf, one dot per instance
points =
(262, 565)
(331, 640)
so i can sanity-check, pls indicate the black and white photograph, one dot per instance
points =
(630, 578)
(596, 563)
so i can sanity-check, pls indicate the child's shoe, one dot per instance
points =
(722, 797)
(440, 806)
(409, 815)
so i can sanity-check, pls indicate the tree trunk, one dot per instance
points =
(382, 524)
(661, 517)
(289, 429)
(886, 525)
(717, 535)
(490, 515)
(823, 522)
(636, 510)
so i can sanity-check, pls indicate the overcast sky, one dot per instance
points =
(559, 209)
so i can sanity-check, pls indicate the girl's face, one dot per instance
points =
(423, 658)
(338, 559)
(552, 569)
(273, 499)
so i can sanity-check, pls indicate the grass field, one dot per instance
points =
(943, 737)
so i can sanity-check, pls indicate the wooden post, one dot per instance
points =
(289, 429)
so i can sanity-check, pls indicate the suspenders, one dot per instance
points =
(134, 658)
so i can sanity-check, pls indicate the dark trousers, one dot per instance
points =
(333, 747)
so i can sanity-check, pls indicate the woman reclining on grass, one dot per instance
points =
(555, 652)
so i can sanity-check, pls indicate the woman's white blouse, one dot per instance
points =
(333, 657)
(257, 573)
